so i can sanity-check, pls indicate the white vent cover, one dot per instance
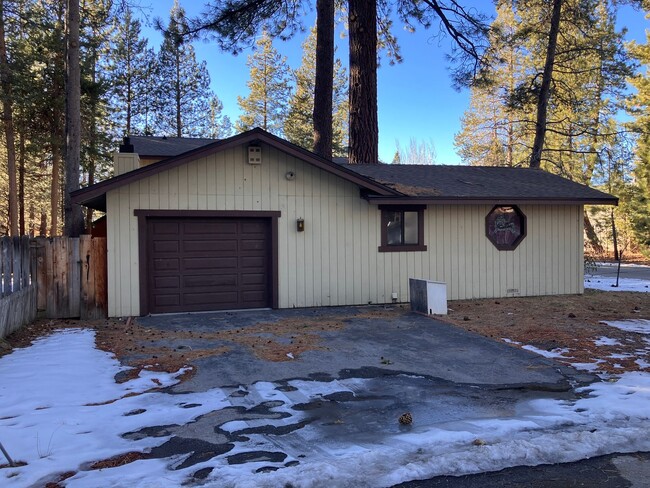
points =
(254, 155)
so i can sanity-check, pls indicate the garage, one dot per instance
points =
(198, 264)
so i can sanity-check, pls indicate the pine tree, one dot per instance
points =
(590, 70)
(38, 34)
(183, 94)
(299, 125)
(96, 147)
(129, 65)
(493, 133)
(639, 107)
(220, 124)
(6, 87)
(267, 104)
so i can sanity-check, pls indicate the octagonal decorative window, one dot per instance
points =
(505, 227)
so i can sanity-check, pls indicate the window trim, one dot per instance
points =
(385, 247)
(523, 226)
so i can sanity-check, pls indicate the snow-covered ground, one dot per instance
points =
(633, 277)
(61, 410)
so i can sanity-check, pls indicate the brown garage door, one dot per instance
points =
(197, 264)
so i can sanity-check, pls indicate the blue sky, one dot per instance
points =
(415, 97)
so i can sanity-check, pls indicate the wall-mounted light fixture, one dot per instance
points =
(300, 225)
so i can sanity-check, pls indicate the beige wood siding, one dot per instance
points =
(335, 260)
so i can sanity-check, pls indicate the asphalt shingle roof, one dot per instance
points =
(439, 181)
(408, 182)
(166, 146)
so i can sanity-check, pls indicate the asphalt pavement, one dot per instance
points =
(634, 271)
(404, 361)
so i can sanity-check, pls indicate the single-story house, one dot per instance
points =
(254, 221)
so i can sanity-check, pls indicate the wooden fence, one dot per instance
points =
(17, 288)
(57, 277)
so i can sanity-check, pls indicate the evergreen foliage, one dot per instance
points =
(266, 105)
(183, 93)
(131, 66)
(584, 140)
(299, 124)
(588, 83)
(639, 107)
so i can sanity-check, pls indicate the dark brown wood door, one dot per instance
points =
(199, 264)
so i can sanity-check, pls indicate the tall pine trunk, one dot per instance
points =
(545, 88)
(73, 221)
(324, 83)
(7, 115)
(55, 190)
(21, 181)
(364, 128)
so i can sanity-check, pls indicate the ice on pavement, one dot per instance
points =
(61, 410)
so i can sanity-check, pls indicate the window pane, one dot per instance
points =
(410, 228)
(394, 228)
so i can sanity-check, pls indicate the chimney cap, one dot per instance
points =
(126, 146)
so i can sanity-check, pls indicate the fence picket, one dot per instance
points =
(17, 265)
(60, 277)
(6, 266)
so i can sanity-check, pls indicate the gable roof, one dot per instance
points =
(381, 183)
(94, 196)
(477, 184)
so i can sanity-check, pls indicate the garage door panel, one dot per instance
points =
(199, 264)
(162, 228)
(210, 246)
(210, 263)
(166, 264)
(252, 262)
(210, 299)
(252, 297)
(161, 282)
(166, 246)
(253, 227)
(209, 280)
(207, 227)
(171, 300)
(253, 244)
(253, 279)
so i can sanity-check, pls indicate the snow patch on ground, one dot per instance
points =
(643, 364)
(554, 353)
(604, 283)
(591, 367)
(60, 410)
(606, 341)
(641, 326)
(60, 406)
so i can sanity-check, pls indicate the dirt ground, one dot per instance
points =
(139, 347)
(572, 322)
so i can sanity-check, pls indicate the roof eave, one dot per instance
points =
(91, 193)
(447, 200)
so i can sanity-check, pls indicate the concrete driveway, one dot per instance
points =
(351, 389)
